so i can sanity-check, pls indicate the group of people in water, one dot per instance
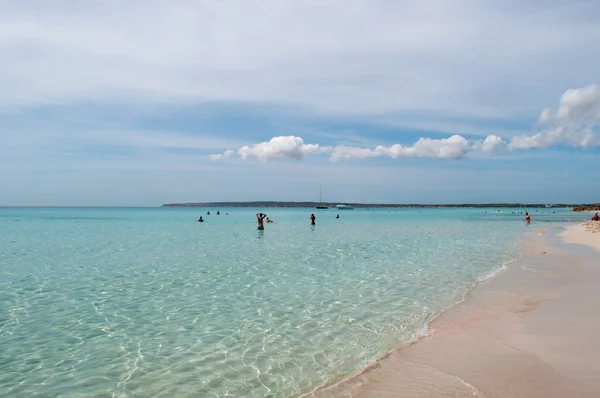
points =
(263, 219)
(208, 214)
(262, 216)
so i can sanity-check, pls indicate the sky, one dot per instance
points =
(140, 103)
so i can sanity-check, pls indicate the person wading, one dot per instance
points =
(260, 217)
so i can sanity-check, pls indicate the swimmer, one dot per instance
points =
(337, 216)
(200, 219)
(596, 217)
(527, 218)
(260, 217)
(268, 220)
(218, 212)
(312, 219)
(208, 213)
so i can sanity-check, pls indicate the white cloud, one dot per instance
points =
(580, 105)
(223, 155)
(287, 146)
(454, 147)
(555, 136)
(430, 55)
(491, 143)
(573, 123)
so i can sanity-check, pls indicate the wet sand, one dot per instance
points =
(532, 331)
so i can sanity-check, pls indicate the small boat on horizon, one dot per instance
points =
(321, 205)
(344, 206)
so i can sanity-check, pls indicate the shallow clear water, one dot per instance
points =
(149, 302)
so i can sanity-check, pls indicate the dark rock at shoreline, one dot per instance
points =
(592, 207)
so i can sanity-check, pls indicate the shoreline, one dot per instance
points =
(325, 390)
(526, 332)
(332, 205)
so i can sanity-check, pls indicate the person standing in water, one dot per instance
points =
(200, 219)
(527, 218)
(312, 219)
(260, 217)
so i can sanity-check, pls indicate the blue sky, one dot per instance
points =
(144, 103)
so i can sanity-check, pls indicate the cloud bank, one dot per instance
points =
(572, 124)
(454, 147)
(364, 57)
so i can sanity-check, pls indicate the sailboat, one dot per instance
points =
(321, 205)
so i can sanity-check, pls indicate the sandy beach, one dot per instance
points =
(587, 234)
(532, 331)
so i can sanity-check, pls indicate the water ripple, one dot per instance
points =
(132, 302)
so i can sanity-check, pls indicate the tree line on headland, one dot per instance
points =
(265, 204)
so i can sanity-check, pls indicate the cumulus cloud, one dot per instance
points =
(454, 147)
(223, 155)
(289, 146)
(491, 143)
(573, 123)
(555, 136)
(277, 147)
(581, 105)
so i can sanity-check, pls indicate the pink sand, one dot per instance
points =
(533, 331)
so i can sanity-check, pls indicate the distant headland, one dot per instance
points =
(265, 204)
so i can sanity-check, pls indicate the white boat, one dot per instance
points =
(344, 207)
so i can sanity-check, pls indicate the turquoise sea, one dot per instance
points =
(124, 302)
